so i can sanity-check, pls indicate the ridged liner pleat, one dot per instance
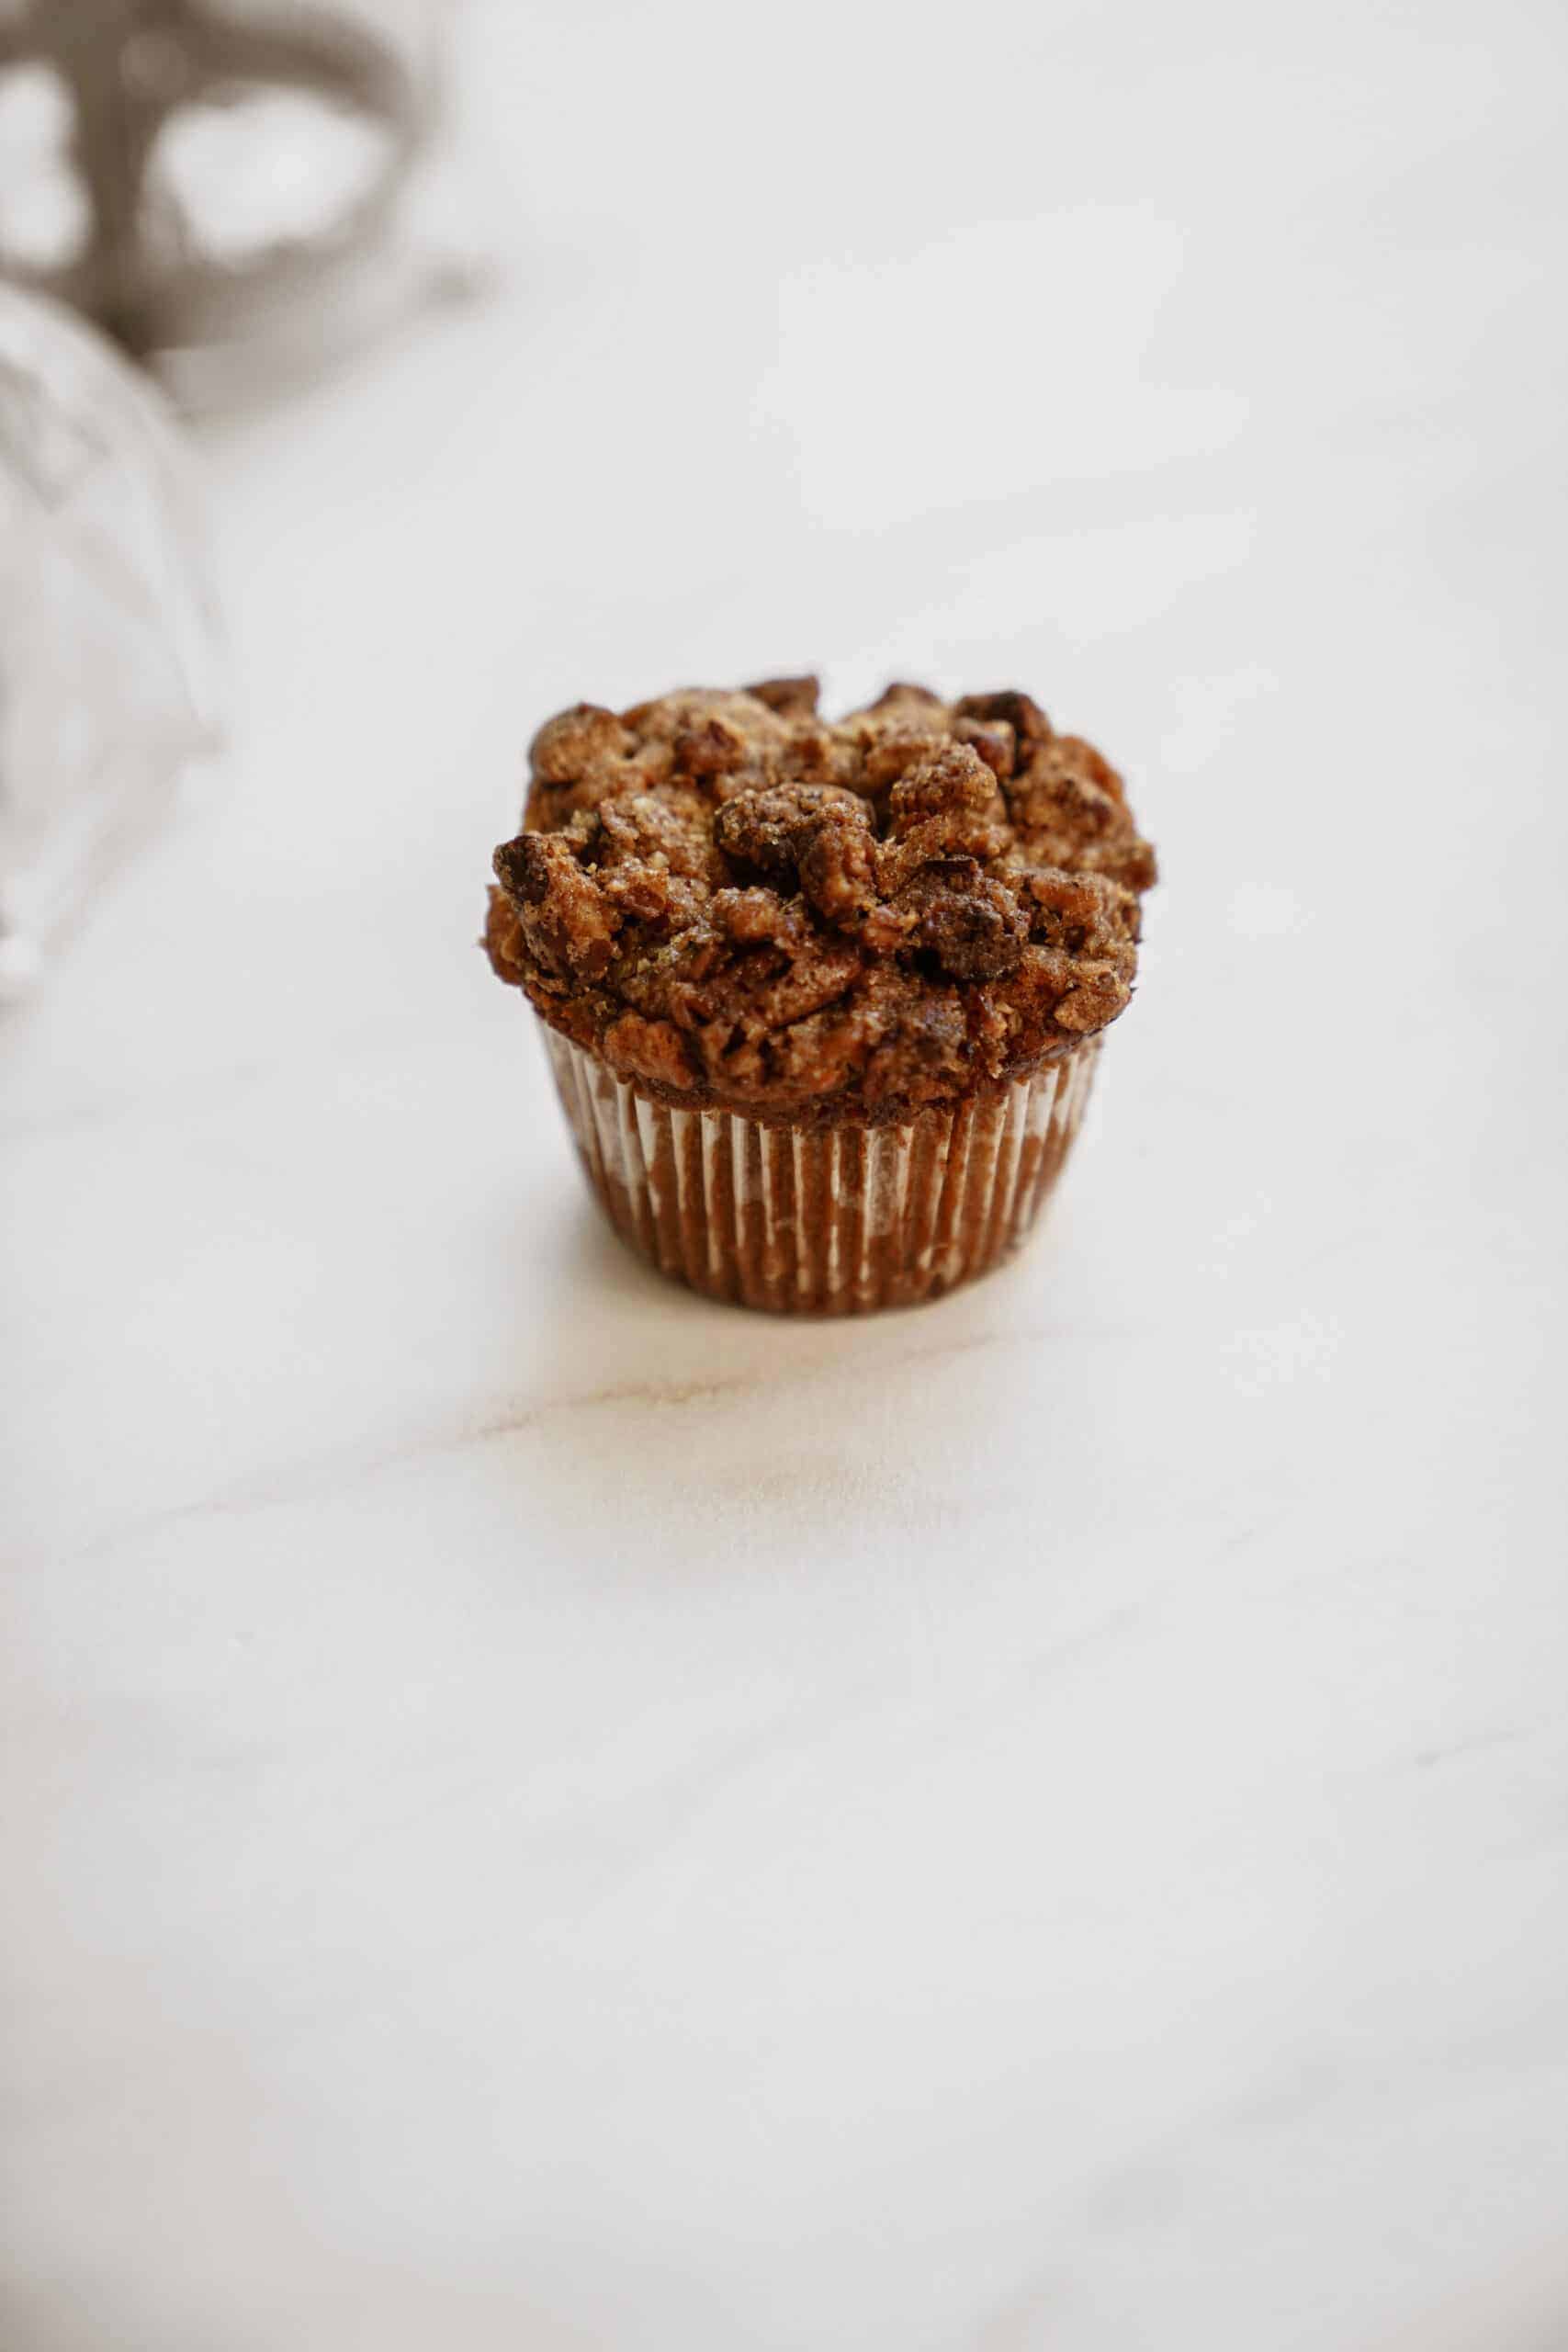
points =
(826, 1220)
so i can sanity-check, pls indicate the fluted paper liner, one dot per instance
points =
(835, 1220)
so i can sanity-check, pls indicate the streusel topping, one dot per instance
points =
(737, 902)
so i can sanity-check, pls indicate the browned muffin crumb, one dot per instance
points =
(737, 902)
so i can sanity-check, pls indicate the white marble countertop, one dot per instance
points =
(546, 1814)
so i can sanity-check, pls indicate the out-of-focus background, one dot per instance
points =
(545, 1814)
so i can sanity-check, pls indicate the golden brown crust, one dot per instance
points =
(736, 902)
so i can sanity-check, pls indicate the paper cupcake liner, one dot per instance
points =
(825, 1220)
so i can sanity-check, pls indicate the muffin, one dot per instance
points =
(823, 999)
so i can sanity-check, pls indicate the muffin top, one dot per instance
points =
(738, 903)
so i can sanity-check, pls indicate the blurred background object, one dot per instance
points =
(201, 173)
(106, 646)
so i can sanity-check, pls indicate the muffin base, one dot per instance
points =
(823, 1220)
